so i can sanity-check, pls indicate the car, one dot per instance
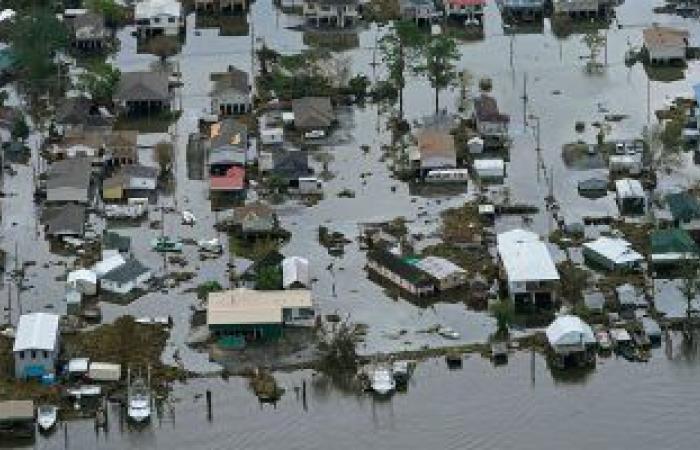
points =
(315, 134)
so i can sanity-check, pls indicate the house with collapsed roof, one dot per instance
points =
(231, 93)
(527, 269)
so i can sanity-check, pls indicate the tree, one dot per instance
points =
(358, 86)
(269, 278)
(20, 129)
(440, 57)
(3, 98)
(113, 13)
(595, 42)
(163, 47)
(164, 156)
(401, 50)
(690, 288)
(100, 82)
(503, 313)
(35, 39)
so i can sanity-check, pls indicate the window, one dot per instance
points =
(156, 20)
(33, 354)
(46, 354)
(171, 19)
(21, 355)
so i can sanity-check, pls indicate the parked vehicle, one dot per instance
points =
(46, 417)
(166, 244)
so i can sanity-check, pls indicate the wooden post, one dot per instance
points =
(209, 411)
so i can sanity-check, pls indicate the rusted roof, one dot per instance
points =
(665, 37)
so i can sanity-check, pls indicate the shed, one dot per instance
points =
(569, 334)
(612, 253)
(17, 418)
(593, 187)
(295, 272)
(490, 169)
(74, 302)
(102, 371)
(475, 145)
(630, 164)
(631, 198)
(83, 281)
(447, 274)
(78, 366)
(672, 246)
(313, 113)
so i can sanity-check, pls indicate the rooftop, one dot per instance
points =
(11, 410)
(439, 268)
(64, 220)
(568, 331)
(629, 188)
(126, 272)
(247, 306)
(313, 112)
(143, 86)
(657, 36)
(231, 79)
(150, 8)
(36, 331)
(400, 267)
(486, 109)
(525, 257)
(617, 250)
(234, 179)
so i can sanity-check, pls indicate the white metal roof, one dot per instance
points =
(569, 330)
(109, 262)
(439, 268)
(629, 188)
(84, 275)
(295, 269)
(151, 8)
(36, 331)
(246, 306)
(78, 365)
(615, 250)
(488, 165)
(525, 257)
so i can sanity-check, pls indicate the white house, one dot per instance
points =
(125, 278)
(576, 8)
(295, 273)
(335, 13)
(612, 253)
(37, 345)
(665, 44)
(83, 281)
(527, 268)
(158, 18)
(272, 136)
(448, 274)
(569, 334)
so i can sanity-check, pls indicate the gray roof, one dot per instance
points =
(66, 220)
(128, 271)
(73, 173)
(232, 79)
(313, 112)
(11, 410)
(141, 86)
(486, 109)
(36, 331)
(115, 241)
(229, 133)
(95, 23)
(137, 170)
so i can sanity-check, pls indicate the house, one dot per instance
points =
(685, 210)
(143, 92)
(17, 419)
(111, 259)
(295, 273)
(665, 44)
(290, 167)
(64, 221)
(227, 146)
(37, 345)
(672, 246)
(466, 10)
(420, 11)
(232, 181)
(629, 299)
(527, 268)
(83, 281)
(579, 8)
(612, 254)
(69, 181)
(435, 150)
(332, 13)
(104, 372)
(521, 10)
(630, 196)
(447, 274)
(258, 315)
(158, 18)
(572, 341)
(489, 122)
(272, 135)
(231, 93)
(399, 272)
(313, 113)
(120, 148)
(255, 218)
(78, 113)
(222, 6)
(490, 169)
(126, 277)
(131, 181)
(593, 187)
(88, 31)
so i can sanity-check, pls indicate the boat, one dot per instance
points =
(603, 339)
(46, 416)
(165, 244)
(188, 218)
(139, 399)
(448, 333)
(382, 381)
(454, 360)
(211, 246)
(401, 371)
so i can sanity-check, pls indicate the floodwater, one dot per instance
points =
(619, 405)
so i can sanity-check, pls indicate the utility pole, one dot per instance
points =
(648, 100)
(252, 56)
(525, 99)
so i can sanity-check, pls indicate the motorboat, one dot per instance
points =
(47, 415)
(139, 400)
(165, 244)
(382, 381)
(448, 333)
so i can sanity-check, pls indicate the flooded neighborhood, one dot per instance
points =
(349, 223)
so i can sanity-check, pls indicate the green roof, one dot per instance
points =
(673, 241)
(684, 206)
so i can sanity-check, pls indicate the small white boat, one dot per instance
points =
(188, 218)
(46, 416)
(139, 399)
(448, 333)
(382, 381)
